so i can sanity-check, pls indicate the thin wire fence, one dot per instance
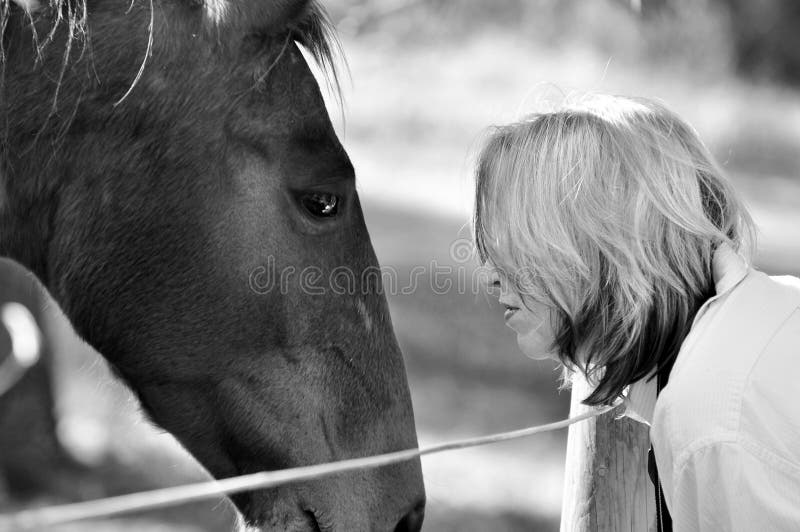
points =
(25, 351)
(41, 518)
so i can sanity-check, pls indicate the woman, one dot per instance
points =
(620, 249)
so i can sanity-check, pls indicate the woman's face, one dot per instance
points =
(532, 322)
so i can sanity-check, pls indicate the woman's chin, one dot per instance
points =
(536, 350)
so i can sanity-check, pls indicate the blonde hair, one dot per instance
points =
(608, 210)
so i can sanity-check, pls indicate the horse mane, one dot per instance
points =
(73, 13)
(317, 34)
(312, 28)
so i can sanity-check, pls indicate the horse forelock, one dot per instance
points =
(304, 21)
(216, 10)
(317, 34)
(66, 25)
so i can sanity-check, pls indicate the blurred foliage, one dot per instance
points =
(756, 38)
(766, 38)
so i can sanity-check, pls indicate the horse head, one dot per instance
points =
(170, 172)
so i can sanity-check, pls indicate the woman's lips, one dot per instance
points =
(510, 311)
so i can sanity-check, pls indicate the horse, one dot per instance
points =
(161, 159)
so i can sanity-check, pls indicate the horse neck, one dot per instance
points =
(23, 241)
(26, 212)
(33, 119)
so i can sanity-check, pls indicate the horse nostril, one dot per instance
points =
(412, 521)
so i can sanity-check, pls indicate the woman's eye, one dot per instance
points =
(320, 204)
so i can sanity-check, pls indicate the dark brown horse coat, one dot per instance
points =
(156, 156)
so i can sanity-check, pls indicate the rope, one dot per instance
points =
(148, 500)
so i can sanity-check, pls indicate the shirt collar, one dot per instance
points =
(728, 269)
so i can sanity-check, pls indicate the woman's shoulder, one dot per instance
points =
(790, 282)
(735, 376)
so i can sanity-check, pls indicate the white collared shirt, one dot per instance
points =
(726, 428)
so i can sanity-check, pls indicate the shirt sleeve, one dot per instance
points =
(734, 487)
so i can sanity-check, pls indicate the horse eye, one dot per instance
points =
(320, 204)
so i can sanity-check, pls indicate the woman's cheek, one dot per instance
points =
(537, 342)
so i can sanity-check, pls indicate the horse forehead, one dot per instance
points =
(288, 78)
(285, 101)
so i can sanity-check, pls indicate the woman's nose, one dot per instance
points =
(493, 279)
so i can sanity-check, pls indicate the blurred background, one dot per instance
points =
(427, 78)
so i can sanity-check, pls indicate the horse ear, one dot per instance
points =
(253, 15)
(29, 6)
